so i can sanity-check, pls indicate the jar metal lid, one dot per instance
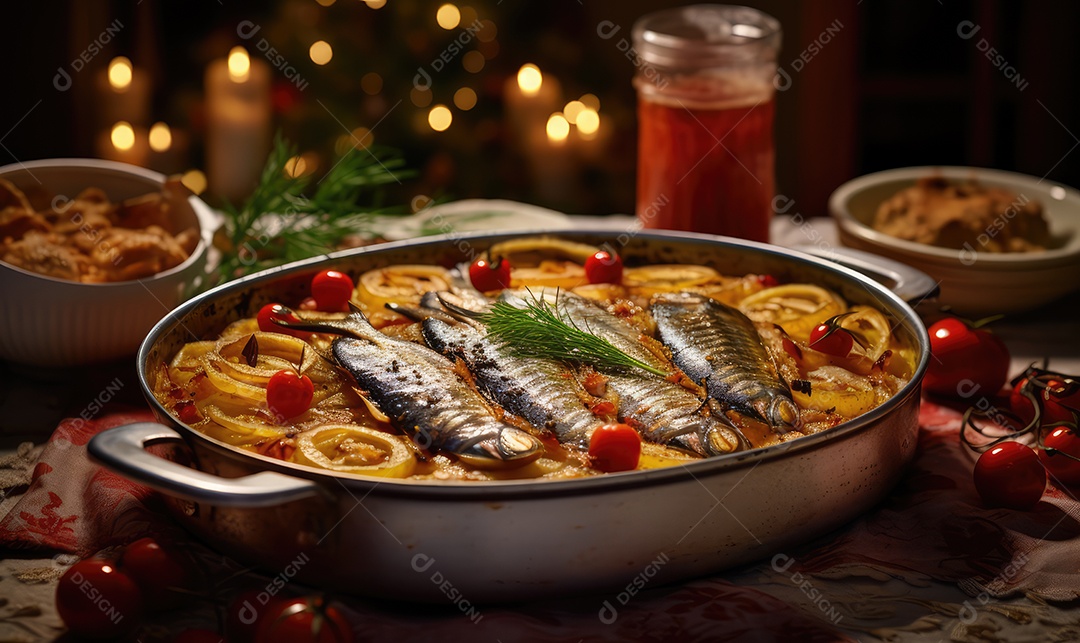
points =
(706, 35)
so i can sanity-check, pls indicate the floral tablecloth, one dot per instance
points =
(930, 562)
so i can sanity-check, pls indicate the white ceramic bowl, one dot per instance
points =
(53, 322)
(974, 283)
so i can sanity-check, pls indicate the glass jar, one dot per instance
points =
(705, 90)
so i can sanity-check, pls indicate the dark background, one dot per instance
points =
(896, 86)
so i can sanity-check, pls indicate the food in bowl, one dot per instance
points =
(90, 239)
(959, 214)
(429, 378)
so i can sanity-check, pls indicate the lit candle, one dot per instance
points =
(123, 94)
(238, 123)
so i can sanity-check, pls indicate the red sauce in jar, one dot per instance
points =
(706, 166)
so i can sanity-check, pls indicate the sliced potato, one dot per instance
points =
(870, 327)
(529, 252)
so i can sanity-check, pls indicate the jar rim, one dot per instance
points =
(705, 35)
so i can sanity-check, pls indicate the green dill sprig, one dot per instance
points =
(280, 223)
(537, 330)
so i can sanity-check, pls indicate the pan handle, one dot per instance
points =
(123, 450)
(909, 284)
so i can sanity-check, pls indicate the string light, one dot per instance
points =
(420, 97)
(362, 137)
(448, 16)
(473, 61)
(572, 109)
(487, 31)
(371, 83)
(375, 4)
(160, 137)
(530, 79)
(123, 136)
(120, 73)
(591, 101)
(588, 121)
(558, 128)
(465, 99)
(320, 52)
(440, 117)
(239, 64)
(325, 3)
(295, 166)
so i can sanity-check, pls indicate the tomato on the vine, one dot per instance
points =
(604, 267)
(615, 447)
(302, 620)
(1061, 468)
(332, 290)
(1010, 475)
(156, 569)
(97, 600)
(270, 312)
(289, 394)
(829, 337)
(487, 276)
(965, 361)
(1051, 395)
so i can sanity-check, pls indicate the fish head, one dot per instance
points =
(779, 411)
(509, 448)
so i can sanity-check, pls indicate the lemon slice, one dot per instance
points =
(795, 307)
(354, 449)
(650, 280)
(403, 284)
(528, 252)
(549, 274)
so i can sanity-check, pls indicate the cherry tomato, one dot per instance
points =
(615, 447)
(332, 290)
(1051, 396)
(490, 276)
(242, 615)
(198, 636)
(1061, 469)
(97, 600)
(1010, 475)
(270, 312)
(829, 337)
(768, 281)
(1061, 401)
(965, 361)
(188, 412)
(604, 267)
(302, 620)
(156, 570)
(289, 394)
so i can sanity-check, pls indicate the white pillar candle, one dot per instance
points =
(238, 123)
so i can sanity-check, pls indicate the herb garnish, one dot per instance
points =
(537, 330)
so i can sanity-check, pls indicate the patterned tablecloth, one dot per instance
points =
(930, 562)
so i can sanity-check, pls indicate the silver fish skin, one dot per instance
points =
(543, 392)
(663, 411)
(719, 345)
(424, 398)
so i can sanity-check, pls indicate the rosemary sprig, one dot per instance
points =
(280, 223)
(537, 330)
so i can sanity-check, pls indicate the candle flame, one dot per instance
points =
(558, 128)
(530, 79)
(120, 73)
(123, 136)
(239, 64)
(160, 137)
